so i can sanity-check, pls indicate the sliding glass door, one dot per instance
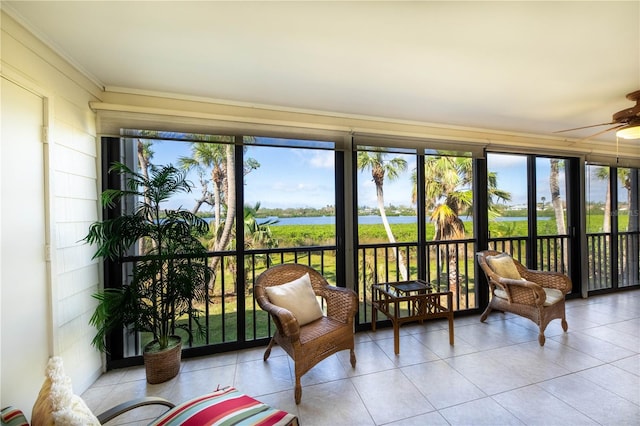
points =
(537, 219)
(613, 227)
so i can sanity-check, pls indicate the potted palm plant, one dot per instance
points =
(170, 273)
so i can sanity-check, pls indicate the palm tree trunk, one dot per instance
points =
(453, 273)
(632, 275)
(556, 201)
(143, 163)
(217, 199)
(230, 195)
(385, 222)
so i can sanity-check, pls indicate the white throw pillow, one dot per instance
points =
(502, 264)
(553, 296)
(57, 404)
(297, 297)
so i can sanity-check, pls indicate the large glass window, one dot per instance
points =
(209, 164)
(386, 215)
(415, 220)
(551, 191)
(411, 216)
(507, 190)
(529, 209)
(289, 213)
(267, 201)
(631, 258)
(386, 219)
(598, 219)
(627, 219)
(293, 191)
(552, 248)
(613, 247)
(449, 230)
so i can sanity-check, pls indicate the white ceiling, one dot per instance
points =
(533, 67)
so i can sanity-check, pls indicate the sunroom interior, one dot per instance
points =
(479, 81)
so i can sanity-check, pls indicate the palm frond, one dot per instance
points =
(172, 272)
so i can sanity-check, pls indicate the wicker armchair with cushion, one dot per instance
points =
(536, 295)
(289, 294)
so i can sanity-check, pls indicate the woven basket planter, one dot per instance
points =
(163, 365)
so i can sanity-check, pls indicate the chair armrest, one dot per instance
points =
(549, 279)
(284, 320)
(342, 303)
(523, 292)
(133, 404)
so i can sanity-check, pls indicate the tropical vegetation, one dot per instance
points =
(169, 272)
(379, 164)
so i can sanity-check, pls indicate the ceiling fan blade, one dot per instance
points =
(604, 131)
(585, 127)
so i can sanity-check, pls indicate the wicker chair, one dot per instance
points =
(311, 343)
(537, 295)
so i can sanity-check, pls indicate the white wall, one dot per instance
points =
(23, 268)
(70, 205)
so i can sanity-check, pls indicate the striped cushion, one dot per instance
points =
(13, 417)
(225, 407)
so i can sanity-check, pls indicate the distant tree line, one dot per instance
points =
(331, 211)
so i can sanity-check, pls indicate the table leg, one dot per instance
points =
(396, 337)
(451, 329)
(373, 317)
(450, 306)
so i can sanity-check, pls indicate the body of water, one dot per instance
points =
(369, 220)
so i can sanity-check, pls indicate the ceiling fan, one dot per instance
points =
(625, 122)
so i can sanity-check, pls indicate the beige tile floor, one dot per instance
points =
(496, 374)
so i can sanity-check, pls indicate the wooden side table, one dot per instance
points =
(409, 301)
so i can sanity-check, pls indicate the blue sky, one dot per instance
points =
(305, 178)
(286, 177)
(291, 178)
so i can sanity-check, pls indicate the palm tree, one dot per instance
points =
(602, 173)
(629, 257)
(208, 157)
(448, 195)
(257, 235)
(145, 153)
(556, 200)
(633, 248)
(163, 285)
(218, 159)
(624, 176)
(380, 166)
(229, 184)
(495, 194)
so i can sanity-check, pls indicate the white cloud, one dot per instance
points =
(505, 160)
(322, 160)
